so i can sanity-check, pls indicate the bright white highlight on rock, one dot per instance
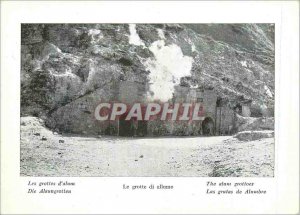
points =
(243, 63)
(193, 48)
(134, 37)
(166, 69)
(96, 35)
(161, 34)
(268, 91)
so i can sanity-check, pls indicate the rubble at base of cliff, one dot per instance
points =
(78, 155)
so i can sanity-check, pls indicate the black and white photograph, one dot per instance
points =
(161, 99)
(149, 107)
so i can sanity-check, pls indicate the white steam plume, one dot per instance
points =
(166, 69)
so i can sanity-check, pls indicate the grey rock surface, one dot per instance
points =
(66, 69)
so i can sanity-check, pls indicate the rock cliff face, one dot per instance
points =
(67, 69)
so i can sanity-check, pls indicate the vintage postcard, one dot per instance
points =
(147, 100)
(149, 107)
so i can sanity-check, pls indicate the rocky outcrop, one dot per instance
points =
(253, 135)
(67, 69)
(255, 123)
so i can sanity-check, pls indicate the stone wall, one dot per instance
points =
(225, 120)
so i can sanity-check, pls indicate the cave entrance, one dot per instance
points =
(132, 128)
(126, 127)
(208, 126)
(142, 129)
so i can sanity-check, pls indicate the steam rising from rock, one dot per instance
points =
(166, 69)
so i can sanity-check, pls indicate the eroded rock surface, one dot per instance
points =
(67, 69)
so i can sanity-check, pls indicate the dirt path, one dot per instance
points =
(46, 154)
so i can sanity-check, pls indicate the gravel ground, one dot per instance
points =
(44, 153)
